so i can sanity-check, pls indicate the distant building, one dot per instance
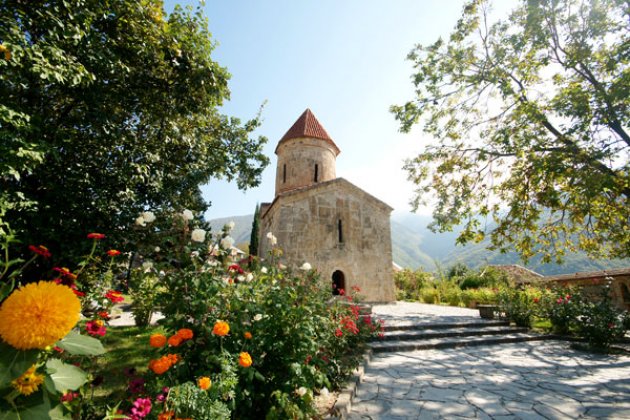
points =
(519, 274)
(338, 228)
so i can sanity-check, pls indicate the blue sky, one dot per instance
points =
(346, 61)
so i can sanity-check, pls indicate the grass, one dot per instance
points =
(127, 347)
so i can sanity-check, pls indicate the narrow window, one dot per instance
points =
(284, 173)
(340, 231)
(316, 170)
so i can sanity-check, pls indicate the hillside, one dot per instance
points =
(415, 246)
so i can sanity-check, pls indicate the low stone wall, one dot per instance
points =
(591, 284)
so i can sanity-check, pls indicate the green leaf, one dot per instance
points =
(14, 362)
(33, 407)
(81, 345)
(65, 376)
(58, 414)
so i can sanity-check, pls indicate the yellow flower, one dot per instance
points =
(28, 382)
(6, 51)
(221, 328)
(204, 383)
(244, 359)
(38, 315)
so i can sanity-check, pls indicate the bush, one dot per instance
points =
(266, 338)
(561, 307)
(520, 305)
(410, 283)
(430, 295)
(600, 323)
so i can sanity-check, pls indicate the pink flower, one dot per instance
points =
(141, 408)
(136, 385)
(236, 268)
(69, 396)
(95, 327)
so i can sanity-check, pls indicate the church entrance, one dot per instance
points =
(338, 282)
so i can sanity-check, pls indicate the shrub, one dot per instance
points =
(519, 305)
(410, 283)
(561, 307)
(430, 295)
(266, 338)
(600, 323)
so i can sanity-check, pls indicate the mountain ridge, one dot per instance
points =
(415, 246)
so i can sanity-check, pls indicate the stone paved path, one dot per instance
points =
(536, 380)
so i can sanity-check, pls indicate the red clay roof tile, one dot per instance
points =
(308, 126)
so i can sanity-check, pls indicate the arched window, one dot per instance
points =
(338, 282)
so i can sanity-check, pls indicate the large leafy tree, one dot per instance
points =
(109, 108)
(529, 117)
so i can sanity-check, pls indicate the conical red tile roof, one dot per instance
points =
(308, 126)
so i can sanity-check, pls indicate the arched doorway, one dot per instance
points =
(338, 282)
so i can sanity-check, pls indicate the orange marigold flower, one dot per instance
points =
(157, 340)
(244, 359)
(204, 383)
(167, 415)
(113, 252)
(247, 335)
(175, 340)
(172, 358)
(185, 333)
(159, 366)
(221, 328)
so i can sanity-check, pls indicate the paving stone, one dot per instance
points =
(530, 380)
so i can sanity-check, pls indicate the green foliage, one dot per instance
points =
(520, 305)
(409, 283)
(562, 306)
(254, 237)
(600, 322)
(530, 114)
(113, 106)
(188, 401)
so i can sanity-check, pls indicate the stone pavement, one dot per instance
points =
(533, 380)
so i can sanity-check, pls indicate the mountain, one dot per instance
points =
(415, 246)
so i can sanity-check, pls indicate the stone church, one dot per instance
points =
(341, 230)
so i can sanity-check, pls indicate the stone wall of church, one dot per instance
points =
(300, 159)
(335, 228)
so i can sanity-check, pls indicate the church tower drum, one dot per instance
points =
(306, 155)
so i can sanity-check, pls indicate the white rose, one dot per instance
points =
(324, 392)
(148, 216)
(187, 215)
(140, 221)
(198, 235)
(227, 242)
(157, 249)
(148, 266)
(306, 267)
(249, 277)
(258, 317)
(194, 254)
(272, 239)
(240, 278)
(301, 391)
(264, 270)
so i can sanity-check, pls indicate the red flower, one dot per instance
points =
(104, 315)
(95, 327)
(114, 296)
(342, 292)
(338, 332)
(96, 236)
(113, 252)
(611, 325)
(356, 289)
(236, 268)
(536, 300)
(308, 359)
(40, 250)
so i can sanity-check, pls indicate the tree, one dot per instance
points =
(253, 241)
(530, 116)
(109, 109)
